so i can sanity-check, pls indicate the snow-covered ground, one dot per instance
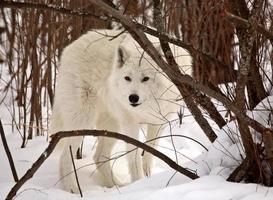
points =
(213, 167)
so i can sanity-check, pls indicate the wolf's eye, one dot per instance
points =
(146, 78)
(127, 78)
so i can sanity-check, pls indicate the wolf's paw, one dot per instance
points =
(110, 181)
(70, 185)
(74, 189)
(147, 170)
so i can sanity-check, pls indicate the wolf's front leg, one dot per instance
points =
(102, 158)
(66, 169)
(134, 156)
(153, 132)
(103, 153)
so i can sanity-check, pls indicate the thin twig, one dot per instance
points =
(75, 171)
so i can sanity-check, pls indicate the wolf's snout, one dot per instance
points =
(133, 98)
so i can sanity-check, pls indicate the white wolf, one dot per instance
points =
(111, 85)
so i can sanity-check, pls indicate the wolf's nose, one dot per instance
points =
(133, 98)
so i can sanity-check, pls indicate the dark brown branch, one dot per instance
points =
(102, 133)
(268, 145)
(210, 108)
(6, 147)
(240, 172)
(246, 32)
(246, 38)
(184, 89)
(75, 171)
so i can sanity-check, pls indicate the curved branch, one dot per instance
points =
(102, 133)
(182, 136)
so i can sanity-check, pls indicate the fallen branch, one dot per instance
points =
(102, 133)
(6, 147)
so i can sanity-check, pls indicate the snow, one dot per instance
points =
(213, 166)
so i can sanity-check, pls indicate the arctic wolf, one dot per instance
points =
(112, 85)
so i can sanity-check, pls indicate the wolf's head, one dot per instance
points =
(135, 79)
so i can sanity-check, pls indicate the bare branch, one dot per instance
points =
(102, 133)
(184, 90)
(239, 173)
(268, 145)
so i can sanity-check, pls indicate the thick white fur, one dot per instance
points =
(93, 93)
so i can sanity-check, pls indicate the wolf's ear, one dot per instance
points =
(122, 56)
